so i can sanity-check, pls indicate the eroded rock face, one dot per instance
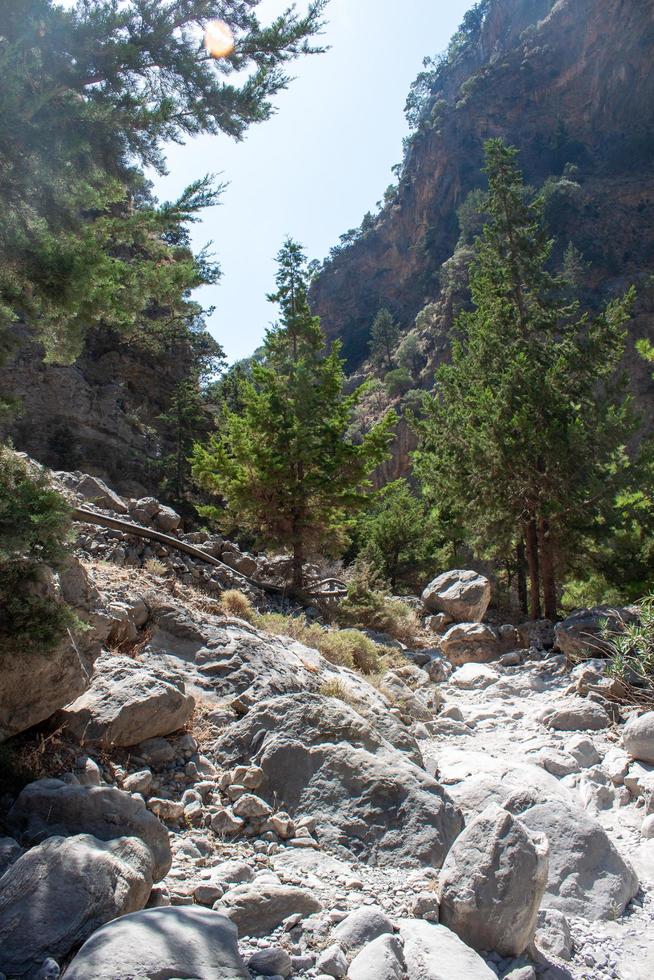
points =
(58, 893)
(32, 694)
(50, 807)
(322, 759)
(158, 944)
(463, 595)
(492, 883)
(128, 703)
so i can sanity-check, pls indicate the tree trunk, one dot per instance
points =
(522, 576)
(548, 571)
(297, 582)
(531, 547)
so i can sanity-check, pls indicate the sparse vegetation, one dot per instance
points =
(237, 605)
(369, 606)
(632, 656)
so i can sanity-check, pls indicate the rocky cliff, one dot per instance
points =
(571, 83)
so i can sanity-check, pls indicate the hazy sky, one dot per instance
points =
(315, 168)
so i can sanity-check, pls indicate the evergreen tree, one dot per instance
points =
(524, 435)
(90, 95)
(384, 335)
(284, 465)
(185, 420)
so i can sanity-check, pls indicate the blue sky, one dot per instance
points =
(320, 163)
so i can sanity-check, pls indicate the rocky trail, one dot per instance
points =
(210, 801)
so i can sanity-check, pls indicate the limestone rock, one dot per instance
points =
(638, 737)
(29, 696)
(332, 961)
(382, 959)
(161, 943)
(322, 759)
(471, 643)
(432, 952)
(587, 874)
(492, 882)
(58, 893)
(96, 491)
(463, 595)
(579, 636)
(576, 715)
(271, 962)
(474, 677)
(257, 908)
(361, 927)
(127, 703)
(553, 934)
(50, 807)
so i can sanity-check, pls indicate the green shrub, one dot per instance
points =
(369, 606)
(34, 527)
(632, 647)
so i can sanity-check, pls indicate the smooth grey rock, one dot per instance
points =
(638, 737)
(159, 944)
(463, 595)
(587, 874)
(127, 703)
(257, 908)
(579, 636)
(272, 962)
(360, 927)
(582, 749)
(492, 882)
(575, 715)
(58, 893)
(322, 759)
(474, 677)
(381, 959)
(49, 808)
(432, 952)
(49, 970)
(332, 961)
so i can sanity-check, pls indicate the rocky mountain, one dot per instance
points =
(193, 796)
(571, 84)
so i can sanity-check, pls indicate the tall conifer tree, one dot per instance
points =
(284, 465)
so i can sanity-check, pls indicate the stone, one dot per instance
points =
(50, 808)
(558, 763)
(553, 934)
(575, 715)
(332, 962)
(144, 510)
(647, 827)
(360, 927)
(521, 973)
(30, 696)
(251, 807)
(49, 970)
(616, 765)
(96, 491)
(127, 703)
(139, 782)
(438, 623)
(232, 873)
(425, 905)
(432, 952)
(587, 874)
(492, 883)
(468, 643)
(10, 851)
(59, 892)
(474, 677)
(271, 962)
(170, 811)
(257, 908)
(579, 636)
(322, 759)
(167, 520)
(224, 823)
(208, 894)
(638, 737)
(537, 633)
(463, 595)
(582, 749)
(157, 944)
(156, 751)
(382, 959)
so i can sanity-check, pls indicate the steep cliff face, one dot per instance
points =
(568, 82)
(100, 414)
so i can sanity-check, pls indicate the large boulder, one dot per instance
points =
(127, 703)
(580, 635)
(50, 807)
(361, 927)
(492, 883)
(575, 715)
(463, 595)
(320, 758)
(638, 737)
(57, 894)
(382, 959)
(33, 689)
(433, 952)
(161, 943)
(472, 643)
(94, 491)
(587, 874)
(257, 908)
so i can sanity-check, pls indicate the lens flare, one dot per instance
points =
(218, 39)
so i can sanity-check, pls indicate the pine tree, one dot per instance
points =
(284, 466)
(524, 435)
(384, 335)
(91, 94)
